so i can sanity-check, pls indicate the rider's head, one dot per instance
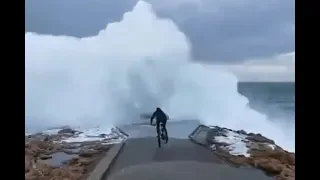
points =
(158, 109)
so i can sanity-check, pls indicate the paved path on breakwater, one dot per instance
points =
(139, 158)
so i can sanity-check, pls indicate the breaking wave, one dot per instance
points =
(129, 68)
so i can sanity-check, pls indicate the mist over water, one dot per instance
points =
(130, 68)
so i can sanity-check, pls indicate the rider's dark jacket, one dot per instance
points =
(160, 116)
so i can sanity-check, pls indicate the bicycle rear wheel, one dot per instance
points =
(159, 140)
(165, 136)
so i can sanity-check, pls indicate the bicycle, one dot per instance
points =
(163, 135)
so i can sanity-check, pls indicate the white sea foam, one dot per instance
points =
(93, 134)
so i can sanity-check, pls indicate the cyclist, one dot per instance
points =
(161, 117)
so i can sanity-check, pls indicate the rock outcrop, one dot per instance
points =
(48, 157)
(257, 151)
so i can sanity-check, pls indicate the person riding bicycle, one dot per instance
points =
(161, 117)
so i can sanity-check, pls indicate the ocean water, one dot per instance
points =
(275, 99)
(116, 75)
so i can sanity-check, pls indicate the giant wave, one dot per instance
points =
(129, 68)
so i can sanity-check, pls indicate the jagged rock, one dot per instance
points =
(101, 148)
(87, 152)
(264, 153)
(279, 164)
(33, 174)
(84, 161)
(71, 151)
(271, 166)
(286, 174)
(239, 160)
(67, 131)
(44, 168)
(256, 146)
(214, 132)
(41, 146)
(73, 161)
(47, 138)
(220, 144)
(102, 135)
(217, 131)
(71, 146)
(242, 132)
(27, 163)
(44, 157)
(259, 138)
(222, 152)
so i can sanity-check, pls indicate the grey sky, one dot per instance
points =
(226, 31)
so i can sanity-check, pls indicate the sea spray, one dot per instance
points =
(129, 68)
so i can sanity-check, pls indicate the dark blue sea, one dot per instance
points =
(276, 100)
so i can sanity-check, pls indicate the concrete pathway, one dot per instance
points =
(140, 158)
(179, 159)
(187, 170)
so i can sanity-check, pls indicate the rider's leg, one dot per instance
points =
(158, 128)
(158, 133)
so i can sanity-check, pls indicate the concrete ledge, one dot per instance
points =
(202, 142)
(199, 135)
(106, 162)
(121, 131)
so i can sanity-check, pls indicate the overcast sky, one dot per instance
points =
(240, 33)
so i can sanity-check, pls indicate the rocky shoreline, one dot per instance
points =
(67, 154)
(60, 156)
(248, 149)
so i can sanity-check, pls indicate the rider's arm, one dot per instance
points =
(152, 117)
